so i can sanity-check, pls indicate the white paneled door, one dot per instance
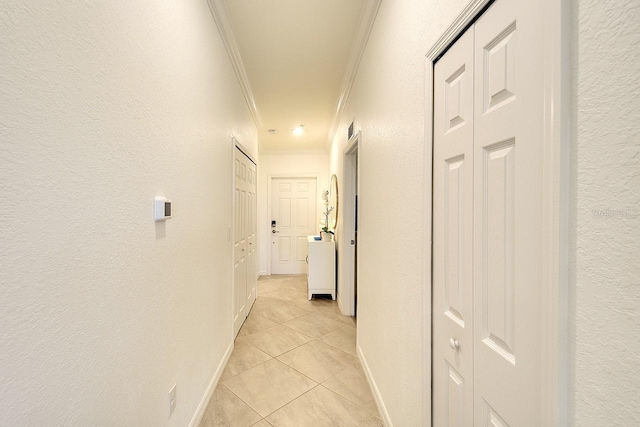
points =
(293, 218)
(244, 238)
(453, 236)
(488, 132)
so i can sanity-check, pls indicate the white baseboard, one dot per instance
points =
(263, 273)
(202, 407)
(374, 389)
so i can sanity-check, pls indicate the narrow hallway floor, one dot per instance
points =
(294, 364)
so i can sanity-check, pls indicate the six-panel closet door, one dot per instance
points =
(487, 202)
(244, 238)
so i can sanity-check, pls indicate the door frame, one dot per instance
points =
(351, 187)
(554, 348)
(285, 176)
(235, 144)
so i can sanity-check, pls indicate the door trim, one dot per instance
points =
(554, 349)
(269, 180)
(347, 271)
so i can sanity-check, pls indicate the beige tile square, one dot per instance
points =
(261, 423)
(255, 323)
(278, 282)
(276, 341)
(286, 294)
(343, 339)
(313, 305)
(298, 283)
(243, 358)
(317, 360)
(313, 325)
(321, 407)
(262, 303)
(269, 386)
(277, 311)
(352, 384)
(333, 312)
(265, 287)
(226, 409)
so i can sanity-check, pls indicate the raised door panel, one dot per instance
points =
(284, 205)
(454, 239)
(453, 236)
(507, 223)
(455, 398)
(284, 249)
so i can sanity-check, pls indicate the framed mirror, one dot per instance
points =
(333, 202)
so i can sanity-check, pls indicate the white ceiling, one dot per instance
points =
(295, 55)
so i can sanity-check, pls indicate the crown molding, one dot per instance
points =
(365, 24)
(223, 22)
(455, 29)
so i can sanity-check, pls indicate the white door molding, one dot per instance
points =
(346, 252)
(556, 140)
(270, 179)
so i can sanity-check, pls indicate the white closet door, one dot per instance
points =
(507, 214)
(240, 242)
(252, 221)
(244, 239)
(487, 222)
(453, 236)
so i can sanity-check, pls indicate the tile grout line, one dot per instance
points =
(349, 400)
(242, 400)
(255, 410)
(293, 400)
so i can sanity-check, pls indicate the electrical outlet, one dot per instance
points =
(172, 399)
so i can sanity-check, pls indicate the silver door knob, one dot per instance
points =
(454, 344)
(274, 231)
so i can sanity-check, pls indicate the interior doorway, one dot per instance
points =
(293, 218)
(348, 284)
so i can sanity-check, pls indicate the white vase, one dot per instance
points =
(326, 237)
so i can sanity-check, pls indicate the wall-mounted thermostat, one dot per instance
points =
(162, 209)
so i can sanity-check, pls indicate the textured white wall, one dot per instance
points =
(105, 105)
(387, 102)
(605, 302)
(287, 165)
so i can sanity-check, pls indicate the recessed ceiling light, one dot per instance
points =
(298, 131)
(273, 131)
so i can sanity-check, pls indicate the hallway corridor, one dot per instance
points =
(294, 364)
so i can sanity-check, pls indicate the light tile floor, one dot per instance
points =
(294, 364)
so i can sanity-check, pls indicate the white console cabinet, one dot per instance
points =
(321, 274)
